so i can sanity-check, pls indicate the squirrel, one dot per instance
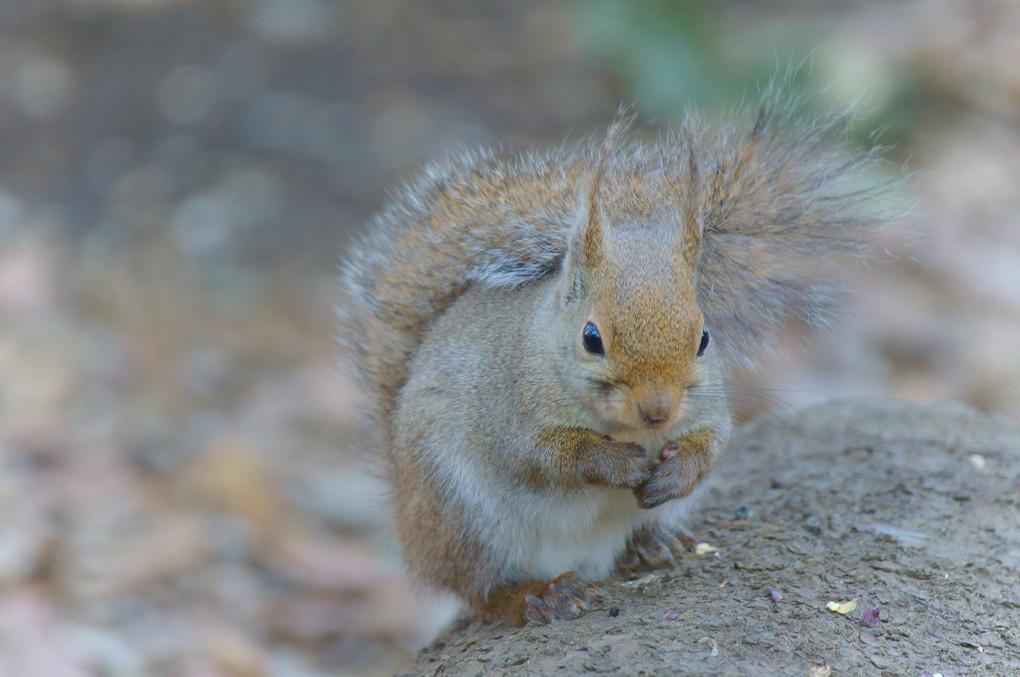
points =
(545, 339)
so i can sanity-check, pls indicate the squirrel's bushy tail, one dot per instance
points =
(779, 194)
(782, 196)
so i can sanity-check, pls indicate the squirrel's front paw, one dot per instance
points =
(623, 465)
(684, 465)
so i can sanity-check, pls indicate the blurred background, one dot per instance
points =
(177, 183)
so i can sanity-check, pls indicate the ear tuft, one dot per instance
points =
(687, 187)
(692, 208)
(591, 237)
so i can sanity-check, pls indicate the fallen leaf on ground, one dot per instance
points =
(236, 655)
(869, 619)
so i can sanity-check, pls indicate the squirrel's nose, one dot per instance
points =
(654, 417)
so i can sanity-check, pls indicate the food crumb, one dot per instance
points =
(843, 607)
(776, 596)
(702, 549)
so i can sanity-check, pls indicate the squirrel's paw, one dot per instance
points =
(685, 464)
(565, 597)
(651, 549)
(623, 465)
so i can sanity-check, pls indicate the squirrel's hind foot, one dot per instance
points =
(652, 548)
(563, 598)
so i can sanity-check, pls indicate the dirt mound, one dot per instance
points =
(911, 509)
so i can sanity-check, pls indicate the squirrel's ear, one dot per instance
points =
(585, 246)
(589, 233)
(693, 226)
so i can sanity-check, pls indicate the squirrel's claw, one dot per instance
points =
(565, 597)
(652, 549)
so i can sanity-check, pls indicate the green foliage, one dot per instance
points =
(666, 55)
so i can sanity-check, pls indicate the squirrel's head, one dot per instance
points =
(632, 329)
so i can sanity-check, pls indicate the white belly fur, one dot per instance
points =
(540, 537)
(584, 532)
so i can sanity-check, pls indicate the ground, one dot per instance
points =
(913, 510)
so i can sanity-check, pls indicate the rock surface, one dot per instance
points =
(908, 508)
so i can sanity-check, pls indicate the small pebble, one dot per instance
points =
(776, 596)
(672, 616)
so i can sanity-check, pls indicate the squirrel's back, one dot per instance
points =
(775, 192)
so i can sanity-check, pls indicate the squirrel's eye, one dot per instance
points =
(704, 342)
(592, 339)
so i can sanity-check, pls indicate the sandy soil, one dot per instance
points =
(910, 509)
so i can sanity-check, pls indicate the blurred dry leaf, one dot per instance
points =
(31, 638)
(230, 476)
(235, 655)
(342, 566)
(317, 615)
(174, 545)
(27, 281)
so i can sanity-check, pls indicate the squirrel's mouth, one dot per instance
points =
(635, 423)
